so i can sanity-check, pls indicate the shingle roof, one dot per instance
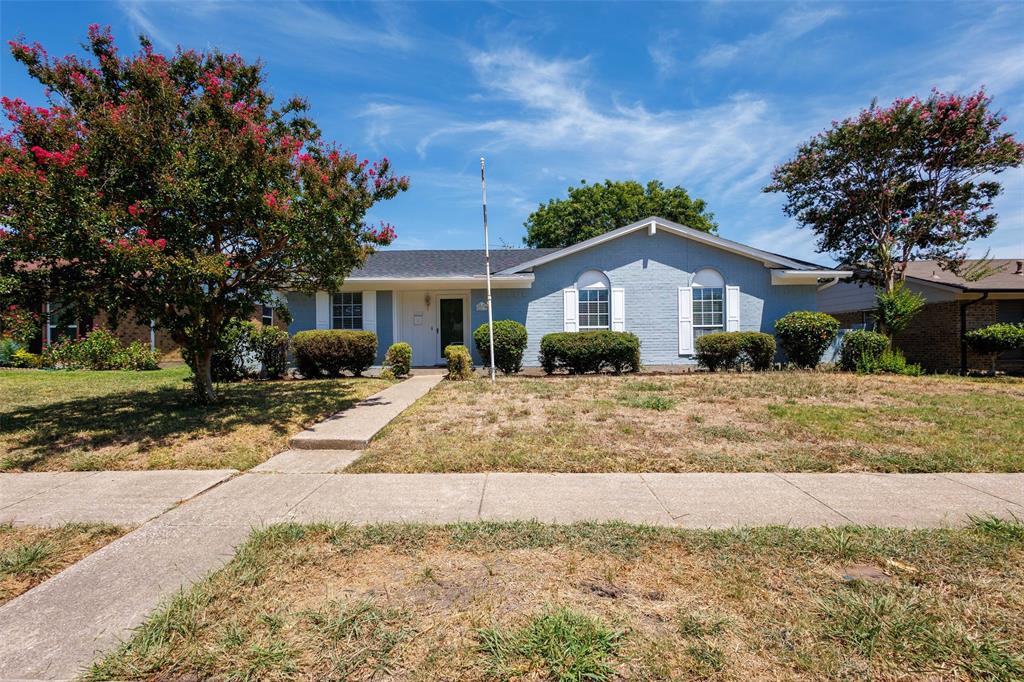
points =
(442, 262)
(1004, 278)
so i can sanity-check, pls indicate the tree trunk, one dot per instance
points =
(203, 381)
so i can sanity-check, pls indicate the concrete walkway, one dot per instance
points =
(56, 629)
(128, 498)
(353, 428)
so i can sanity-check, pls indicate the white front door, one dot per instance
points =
(419, 326)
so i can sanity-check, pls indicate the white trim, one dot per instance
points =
(618, 309)
(323, 310)
(732, 309)
(370, 311)
(783, 277)
(769, 259)
(570, 309)
(686, 320)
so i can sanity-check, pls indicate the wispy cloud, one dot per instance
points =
(300, 25)
(790, 26)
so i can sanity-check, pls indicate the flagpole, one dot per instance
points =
(487, 264)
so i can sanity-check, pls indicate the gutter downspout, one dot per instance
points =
(831, 283)
(963, 331)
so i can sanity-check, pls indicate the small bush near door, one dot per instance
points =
(460, 364)
(329, 352)
(596, 351)
(509, 345)
(758, 350)
(398, 359)
(804, 336)
(995, 339)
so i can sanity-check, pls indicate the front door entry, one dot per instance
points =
(450, 328)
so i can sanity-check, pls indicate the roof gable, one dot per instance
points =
(770, 260)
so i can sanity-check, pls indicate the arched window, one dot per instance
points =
(592, 290)
(708, 303)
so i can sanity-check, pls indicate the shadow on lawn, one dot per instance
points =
(164, 415)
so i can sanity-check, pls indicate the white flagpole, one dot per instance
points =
(487, 264)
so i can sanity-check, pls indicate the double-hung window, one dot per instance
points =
(347, 310)
(593, 309)
(267, 317)
(708, 311)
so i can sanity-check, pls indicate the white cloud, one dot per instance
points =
(788, 27)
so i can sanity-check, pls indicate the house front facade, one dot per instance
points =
(666, 283)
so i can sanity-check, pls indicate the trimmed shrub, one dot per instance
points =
(889, 361)
(720, 350)
(861, 344)
(398, 359)
(758, 350)
(460, 364)
(804, 336)
(8, 349)
(99, 350)
(995, 339)
(329, 352)
(509, 345)
(270, 346)
(594, 351)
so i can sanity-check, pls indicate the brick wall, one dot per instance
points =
(128, 330)
(933, 338)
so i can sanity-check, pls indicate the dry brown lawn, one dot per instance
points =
(778, 421)
(29, 555)
(85, 421)
(527, 601)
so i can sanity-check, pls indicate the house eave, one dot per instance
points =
(786, 277)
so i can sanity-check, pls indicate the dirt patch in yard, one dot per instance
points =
(29, 555)
(779, 421)
(600, 602)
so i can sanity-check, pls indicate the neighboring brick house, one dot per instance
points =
(128, 329)
(953, 306)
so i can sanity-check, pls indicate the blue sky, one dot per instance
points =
(709, 96)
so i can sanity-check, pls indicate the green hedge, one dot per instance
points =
(720, 350)
(399, 359)
(861, 346)
(460, 364)
(804, 336)
(996, 338)
(595, 351)
(329, 352)
(509, 345)
(725, 350)
(99, 350)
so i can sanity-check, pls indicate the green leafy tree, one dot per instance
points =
(176, 188)
(591, 210)
(909, 181)
(895, 308)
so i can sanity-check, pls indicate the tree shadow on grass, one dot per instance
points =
(165, 415)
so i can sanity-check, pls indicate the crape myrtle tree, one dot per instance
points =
(914, 180)
(176, 188)
(590, 210)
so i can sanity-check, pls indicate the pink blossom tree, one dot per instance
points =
(175, 188)
(909, 181)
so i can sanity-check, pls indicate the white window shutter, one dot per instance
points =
(618, 309)
(570, 310)
(370, 311)
(732, 309)
(686, 320)
(323, 310)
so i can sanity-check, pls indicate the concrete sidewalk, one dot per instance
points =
(122, 497)
(55, 630)
(353, 428)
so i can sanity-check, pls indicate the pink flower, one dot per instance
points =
(81, 172)
(161, 243)
(134, 209)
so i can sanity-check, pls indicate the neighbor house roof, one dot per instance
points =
(1003, 274)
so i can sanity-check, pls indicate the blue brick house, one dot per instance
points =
(662, 281)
